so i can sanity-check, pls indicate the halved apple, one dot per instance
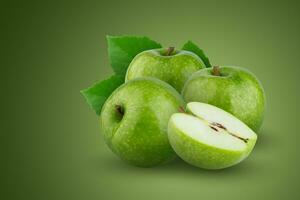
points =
(209, 137)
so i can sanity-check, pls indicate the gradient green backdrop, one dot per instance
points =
(51, 144)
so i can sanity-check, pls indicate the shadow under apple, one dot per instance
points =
(265, 140)
(110, 162)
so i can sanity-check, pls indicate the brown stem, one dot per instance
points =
(181, 109)
(216, 71)
(170, 50)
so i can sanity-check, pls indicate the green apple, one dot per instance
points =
(209, 137)
(233, 89)
(170, 65)
(134, 121)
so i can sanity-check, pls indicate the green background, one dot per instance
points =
(51, 143)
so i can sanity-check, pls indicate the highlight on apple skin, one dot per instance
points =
(169, 65)
(134, 121)
(234, 89)
(208, 137)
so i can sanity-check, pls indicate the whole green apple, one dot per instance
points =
(233, 89)
(134, 120)
(170, 65)
(209, 137)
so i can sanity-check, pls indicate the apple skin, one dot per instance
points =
(236, 91)
(173, 69)
(140, 136)
(202, 155)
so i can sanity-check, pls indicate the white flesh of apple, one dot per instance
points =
(214, 127)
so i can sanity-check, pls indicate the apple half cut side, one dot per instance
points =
(208, 137)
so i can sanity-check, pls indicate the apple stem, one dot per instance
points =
(181, 109)
(170, 50)
(119, 110)
(216, 71)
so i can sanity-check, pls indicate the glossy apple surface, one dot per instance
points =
(233, 89)
(134, 121)
(169, 65)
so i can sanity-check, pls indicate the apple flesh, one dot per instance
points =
(169, 65)
(209, 137)
(233, 89)
(134, 121)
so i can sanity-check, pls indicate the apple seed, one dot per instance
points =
(214, 128)
(219, 125)
(224, 128)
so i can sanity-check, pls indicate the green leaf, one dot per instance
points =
(190, 46)
(122, 49)
(97, 94)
